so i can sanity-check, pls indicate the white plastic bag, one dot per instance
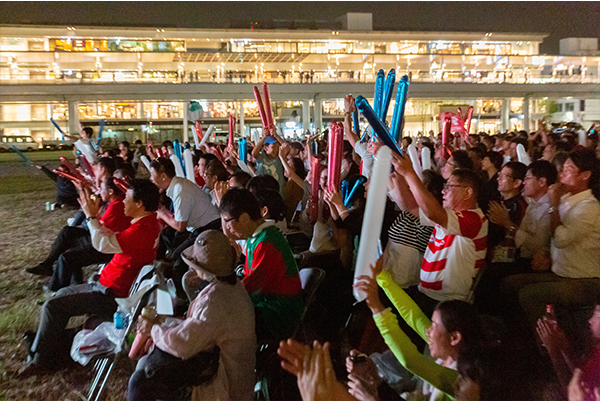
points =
(89, 343)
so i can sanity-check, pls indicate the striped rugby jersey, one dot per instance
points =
(453, 254)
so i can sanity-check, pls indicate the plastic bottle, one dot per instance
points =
(138, 348)
(121, 319)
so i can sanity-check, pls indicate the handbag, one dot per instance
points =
(175, 372)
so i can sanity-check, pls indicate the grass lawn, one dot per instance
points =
(27, 231)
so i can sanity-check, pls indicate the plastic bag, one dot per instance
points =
(90, 343)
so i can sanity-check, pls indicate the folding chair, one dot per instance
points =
(104, 364)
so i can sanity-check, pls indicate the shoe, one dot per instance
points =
(40, 270)
(33, 369)
(28, 339)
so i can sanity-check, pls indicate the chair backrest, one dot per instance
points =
(145, 273)
(311, 278)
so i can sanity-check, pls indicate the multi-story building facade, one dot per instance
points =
(141, 79)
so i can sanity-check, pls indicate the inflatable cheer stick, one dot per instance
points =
(378, 96)
(426, 158)
(231, 129)
(189, 165)
(65, 175)
(87, 166)
(267, 106)
(523, 155)
(380, 130)
(344, 188)
(217, 152)
(122, 184)
(313, 202)
(334, 163)
(243, 149)
(24, 158)
(398, 116)
(178, 168)
(468, 120)
(388, 89)
(58, 128)
(100, 131)
(146, 161)
(72, 169)
(207, 135)
(446, 137)
(177, 151)
(261, 108)
(414, 158)
(355, 120)
(197, 131)
(351, 197)
(373, 218)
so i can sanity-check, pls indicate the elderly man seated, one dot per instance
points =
(219, 325)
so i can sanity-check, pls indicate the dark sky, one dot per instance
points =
(559, 19)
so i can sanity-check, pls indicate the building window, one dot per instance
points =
(582, 105)
(569, 106)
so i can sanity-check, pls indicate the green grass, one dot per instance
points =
(37, 156)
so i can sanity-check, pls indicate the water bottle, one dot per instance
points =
(121, 319)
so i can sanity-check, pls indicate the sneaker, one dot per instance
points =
(28, 339)
(40, 270)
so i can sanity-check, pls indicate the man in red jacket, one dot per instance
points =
(133, 249)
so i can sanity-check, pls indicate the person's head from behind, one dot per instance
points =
(214, 172)
(492, 161)
(473, 140)
(581, 171)
(86, 133)
(296, 149)
(434, 183)
(272, 206)
(511, 178)
(162, 171)
(138, 143)
(271, 147)
(106, 167)
(476, 154)
(239, 179)
(262, 181)
(109, 191)
(203, 161)
(212, 257)
(125, 171)
(141, 198)
(540, 175)
(459, 159)
(455, 328)
(298, 166)
(461, 190)
(240, 213)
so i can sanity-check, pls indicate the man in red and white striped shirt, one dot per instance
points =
(458, 245)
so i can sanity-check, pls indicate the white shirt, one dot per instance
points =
(191, 204)
(576, 242)
(533, 234)
(87, 149)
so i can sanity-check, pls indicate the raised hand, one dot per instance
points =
(369, 286)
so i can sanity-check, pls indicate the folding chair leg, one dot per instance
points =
(99, 368)
(101, 389)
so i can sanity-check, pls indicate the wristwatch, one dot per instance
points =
(88, 219)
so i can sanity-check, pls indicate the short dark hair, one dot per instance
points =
(241, 177)
(408, 139)
(517, 169)
(125, 143)
(138, 142)
(108, 163)
(167, 143)
(274, 202)
(163, 165)
(478, 151)
(89, 131)
(208, 157)
(262, 181)
(462, 160)
(297, 146)
(215, 167)
(146, 192)
(434, 182)
(543, 169)
(495, 158)
(520, 140)
(585, 159)
(238, 201)
(559, 159)
(469, 178)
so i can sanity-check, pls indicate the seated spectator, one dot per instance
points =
(457, 246)
(575, 249)
(491, 165)
(104, 169)
(270, 273)
(239, 179)
(193, 212)
(73, 250)
(272, 208)
(66, 193)
(213, 173)
(140, 150)
(262, 181)
(510, 183)
(563, 359)
(203, 161)
(220, 319)
(459, 159)
(133, 248)
(453, 330)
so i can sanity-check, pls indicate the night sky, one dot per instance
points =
(558, 19)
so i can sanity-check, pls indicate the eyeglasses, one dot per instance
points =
(505, 175)
(448, 186)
